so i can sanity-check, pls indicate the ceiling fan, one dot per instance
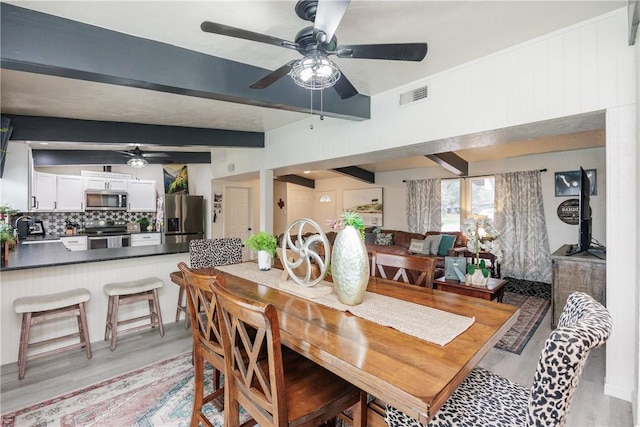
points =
(138, 157)
(316, 43)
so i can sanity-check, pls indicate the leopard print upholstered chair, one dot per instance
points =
(485, 398)
(209, 253)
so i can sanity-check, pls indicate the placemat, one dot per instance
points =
(426, 323)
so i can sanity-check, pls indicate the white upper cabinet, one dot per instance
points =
(70, 193)
(142, 196)
(44, 192)
(15, 185)
(97, 183)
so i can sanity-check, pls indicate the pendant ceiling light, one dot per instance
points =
(137, 162)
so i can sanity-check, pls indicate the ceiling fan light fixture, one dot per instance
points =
(315, 72)
(137, 162)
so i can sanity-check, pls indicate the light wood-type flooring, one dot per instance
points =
(57, 374)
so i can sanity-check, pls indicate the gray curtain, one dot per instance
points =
(519, 217)
(423, 205)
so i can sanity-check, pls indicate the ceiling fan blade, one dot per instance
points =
(392, 51)
(328, 17)
(126, 153)
(344, 88)
(150, 155)
(273, 76)
(226, 30)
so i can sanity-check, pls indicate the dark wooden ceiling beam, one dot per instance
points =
(103, 157)
(451, 162)
(31, 128)
(296, 179)
(358, 173)
(46, 44)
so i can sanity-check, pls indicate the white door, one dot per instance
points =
(299, 206)
(238, 215)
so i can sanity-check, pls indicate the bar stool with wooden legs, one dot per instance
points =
(122, 293)
(37, 309)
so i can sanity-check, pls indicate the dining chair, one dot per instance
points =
(207, 341)
(284, 388)
(209, 253)
(415, 270)
(485, 398)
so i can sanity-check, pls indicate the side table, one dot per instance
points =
(493, 290)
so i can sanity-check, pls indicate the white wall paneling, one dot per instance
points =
(93, 276)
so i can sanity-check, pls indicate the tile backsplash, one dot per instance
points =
(54, 222)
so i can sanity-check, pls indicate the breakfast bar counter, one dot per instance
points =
(54, 253)
(46, 268)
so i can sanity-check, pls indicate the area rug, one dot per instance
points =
(157, 395)
(532, 311)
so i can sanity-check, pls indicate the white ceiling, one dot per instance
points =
(456, 31)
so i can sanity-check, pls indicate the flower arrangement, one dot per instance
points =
(348, 218)
(6, 231)
(262, 241)
(481, 235)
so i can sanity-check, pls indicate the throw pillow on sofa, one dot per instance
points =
(446, 242)
(384, 239)
(419, 247)
(434, 243)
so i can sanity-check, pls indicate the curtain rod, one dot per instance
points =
(484, 174)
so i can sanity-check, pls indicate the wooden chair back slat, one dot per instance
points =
(424, 267)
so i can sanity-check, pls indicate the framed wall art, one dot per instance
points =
(365, 201)
(567, 183)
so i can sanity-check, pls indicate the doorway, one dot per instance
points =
(238, 218)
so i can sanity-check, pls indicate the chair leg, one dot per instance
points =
(360, 411)
(83, 329)
(114, 321)
(198, 388)
(179, 306)
(156, 302)
(24, 344)
(109, 314)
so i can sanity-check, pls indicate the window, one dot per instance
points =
(482, 196)
(450, 208)
(464, 197)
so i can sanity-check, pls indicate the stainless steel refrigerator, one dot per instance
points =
(183, 218)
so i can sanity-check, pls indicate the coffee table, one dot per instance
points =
(493, 290)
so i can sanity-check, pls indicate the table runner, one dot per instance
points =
(423, 322)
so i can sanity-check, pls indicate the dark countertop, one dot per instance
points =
(55, 253)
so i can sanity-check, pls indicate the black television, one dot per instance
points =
(584, 224)
(584, 234)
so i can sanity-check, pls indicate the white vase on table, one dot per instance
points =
(350, 266)
(264, 260)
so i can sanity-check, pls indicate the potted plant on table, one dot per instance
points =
(481, 235)
(265, 244)
(7, 236)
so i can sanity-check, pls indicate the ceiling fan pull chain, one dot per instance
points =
(321, 104)
(311, 110)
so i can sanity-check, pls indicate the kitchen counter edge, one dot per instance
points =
(55, 254)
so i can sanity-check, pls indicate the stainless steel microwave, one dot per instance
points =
(105, 200)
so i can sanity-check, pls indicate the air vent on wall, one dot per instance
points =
(413, 95)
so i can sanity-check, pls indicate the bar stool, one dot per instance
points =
(122, 293)
(40, 308)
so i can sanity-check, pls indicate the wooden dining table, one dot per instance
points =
(409, 373)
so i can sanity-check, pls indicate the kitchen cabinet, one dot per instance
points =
(15, 190)
(98, 183)
(69, 193)
(43, 196)
(145, 239)
(142, 196)
(75, 243)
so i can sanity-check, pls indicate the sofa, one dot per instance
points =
(399, 242)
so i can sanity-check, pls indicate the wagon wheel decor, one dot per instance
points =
(305, 252)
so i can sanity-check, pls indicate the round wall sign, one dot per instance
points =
(569, 211)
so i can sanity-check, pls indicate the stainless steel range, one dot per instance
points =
(107, 234)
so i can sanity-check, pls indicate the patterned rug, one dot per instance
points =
(160, 394)
(533, 299)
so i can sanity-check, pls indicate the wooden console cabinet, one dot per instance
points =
(580, 272)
